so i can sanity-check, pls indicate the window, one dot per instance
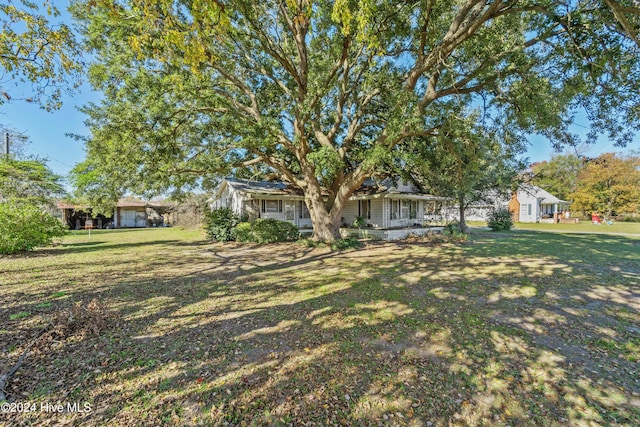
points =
(395, 208)
(272, 206)
(289, 210)
(304, 211)
(432, 208)
(404, 209)
(525, 209)
(364, 208)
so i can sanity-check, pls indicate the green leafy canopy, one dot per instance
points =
(35, 48)
(29, 180)
(326, 94)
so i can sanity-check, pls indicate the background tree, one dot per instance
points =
(609, 183)
(30, 181)
(465, 161)
(27, 189)
(559, 176)
(36, 49)
(325, 94)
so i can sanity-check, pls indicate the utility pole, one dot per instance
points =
(6, 144)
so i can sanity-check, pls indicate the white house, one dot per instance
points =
(480, 209)
(533, 204)
(262, 199)
(382, 206)
(528, 204)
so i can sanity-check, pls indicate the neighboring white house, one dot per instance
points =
(480, 209)
(382, 205)
(528, 204)
(533, 204)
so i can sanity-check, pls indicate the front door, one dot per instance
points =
(290, 211)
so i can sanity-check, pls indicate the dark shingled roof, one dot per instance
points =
(263, 187)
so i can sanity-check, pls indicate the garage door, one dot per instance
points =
(127, 218)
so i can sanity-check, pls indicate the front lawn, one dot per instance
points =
(516, 328)
(629, 228)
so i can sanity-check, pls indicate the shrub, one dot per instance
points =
(359, 222)
(500, 220)
(271, 230)
(631, 219)
(243, 232)
(453, 229)
(24, 226)
(219, 224)
(265, 231)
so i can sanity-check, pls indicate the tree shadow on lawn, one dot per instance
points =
(391, 334)
(83, 247)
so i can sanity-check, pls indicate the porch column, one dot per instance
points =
(385, 213)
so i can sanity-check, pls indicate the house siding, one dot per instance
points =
(350, 213)
(529, 210)
(377, 213)
(243, 200)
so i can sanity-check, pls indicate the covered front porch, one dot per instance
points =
(394, 210)
(389, 233)
(552, 212)
(291, 209)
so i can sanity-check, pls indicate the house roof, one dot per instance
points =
(369, 189)
(542, 195)
(65, 205)
(131, 203)
(262, 187)
(122, 203)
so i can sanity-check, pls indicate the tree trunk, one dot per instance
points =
(326, 212)
(326, 223)
(463, 223)
(326, 227)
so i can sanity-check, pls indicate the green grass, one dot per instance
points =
(582, 227)
(20, 315)
(515, 328)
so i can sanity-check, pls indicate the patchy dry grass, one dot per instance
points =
(518, 328)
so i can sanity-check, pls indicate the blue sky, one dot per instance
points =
(47, 130)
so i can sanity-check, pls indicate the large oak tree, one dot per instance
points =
(326, 94)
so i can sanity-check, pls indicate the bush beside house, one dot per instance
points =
(266, 231)
(223, 226)
(219, 224)
(500, 219)
(24, 226)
